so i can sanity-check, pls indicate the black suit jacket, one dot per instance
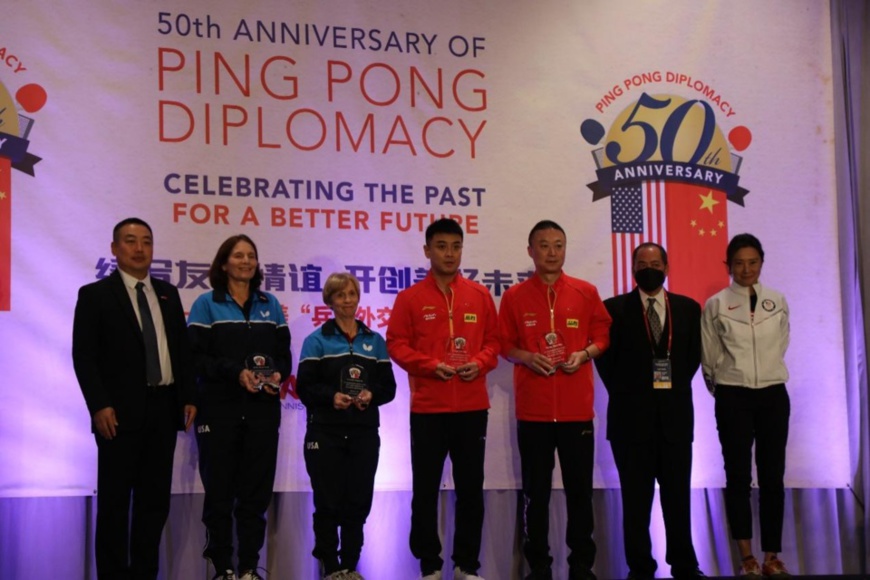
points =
(635, 409)
(109, 353)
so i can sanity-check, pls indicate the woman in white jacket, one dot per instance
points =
(745, 332)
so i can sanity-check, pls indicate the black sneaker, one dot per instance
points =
(541, 574)
(581, 575)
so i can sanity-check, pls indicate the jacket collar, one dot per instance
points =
(330, 328)
(743, 290)
(119, 289)
(536, 280)
(221, 295)
(430, 279)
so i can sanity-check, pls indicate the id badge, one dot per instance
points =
(661, 373)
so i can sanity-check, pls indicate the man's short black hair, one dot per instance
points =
(545, 225)
(126, 222)
(650, 245)
(443, 226)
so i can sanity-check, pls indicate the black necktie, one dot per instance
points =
(655, 323)
(149, 335)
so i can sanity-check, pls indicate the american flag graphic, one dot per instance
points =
(637, 215)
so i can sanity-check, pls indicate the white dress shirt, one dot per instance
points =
(157, 315)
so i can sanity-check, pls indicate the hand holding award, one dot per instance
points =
(265, 377)
(552, 345)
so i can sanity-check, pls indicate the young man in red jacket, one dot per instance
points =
(444, 332)
(551, 326)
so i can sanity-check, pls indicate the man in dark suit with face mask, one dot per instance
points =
(655, 350)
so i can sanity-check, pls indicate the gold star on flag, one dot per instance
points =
(2, 195)
(713, 233)
(707, 202)
(701, 232)
(721, 224)
(693, 223)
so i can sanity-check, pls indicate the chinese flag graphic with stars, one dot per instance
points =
(5, 233)
(697, 238)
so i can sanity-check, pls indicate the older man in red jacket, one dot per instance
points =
(551, 326)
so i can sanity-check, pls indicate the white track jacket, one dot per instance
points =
(741, 348)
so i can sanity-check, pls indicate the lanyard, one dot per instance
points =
(667, 323)
(449, 303)
(552, 306)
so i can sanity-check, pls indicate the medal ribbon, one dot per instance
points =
(449, 302)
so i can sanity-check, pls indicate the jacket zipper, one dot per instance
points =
(754, 350)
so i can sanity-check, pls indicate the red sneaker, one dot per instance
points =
(774, 568)
(750, 569)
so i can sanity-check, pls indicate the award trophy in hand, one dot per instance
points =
(263, 368)
(457, 352)
(353, 381)
(552, 346)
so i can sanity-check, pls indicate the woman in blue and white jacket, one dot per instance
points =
(239, 412)
(745, 333)
(344, 375)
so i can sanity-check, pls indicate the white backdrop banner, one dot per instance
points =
(334, 132)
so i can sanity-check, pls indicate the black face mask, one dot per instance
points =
(649, 279)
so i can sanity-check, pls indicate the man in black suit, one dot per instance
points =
(132, 360)
(648, 372)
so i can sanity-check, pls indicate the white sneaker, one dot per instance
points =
(459, 574)
(436, 575)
